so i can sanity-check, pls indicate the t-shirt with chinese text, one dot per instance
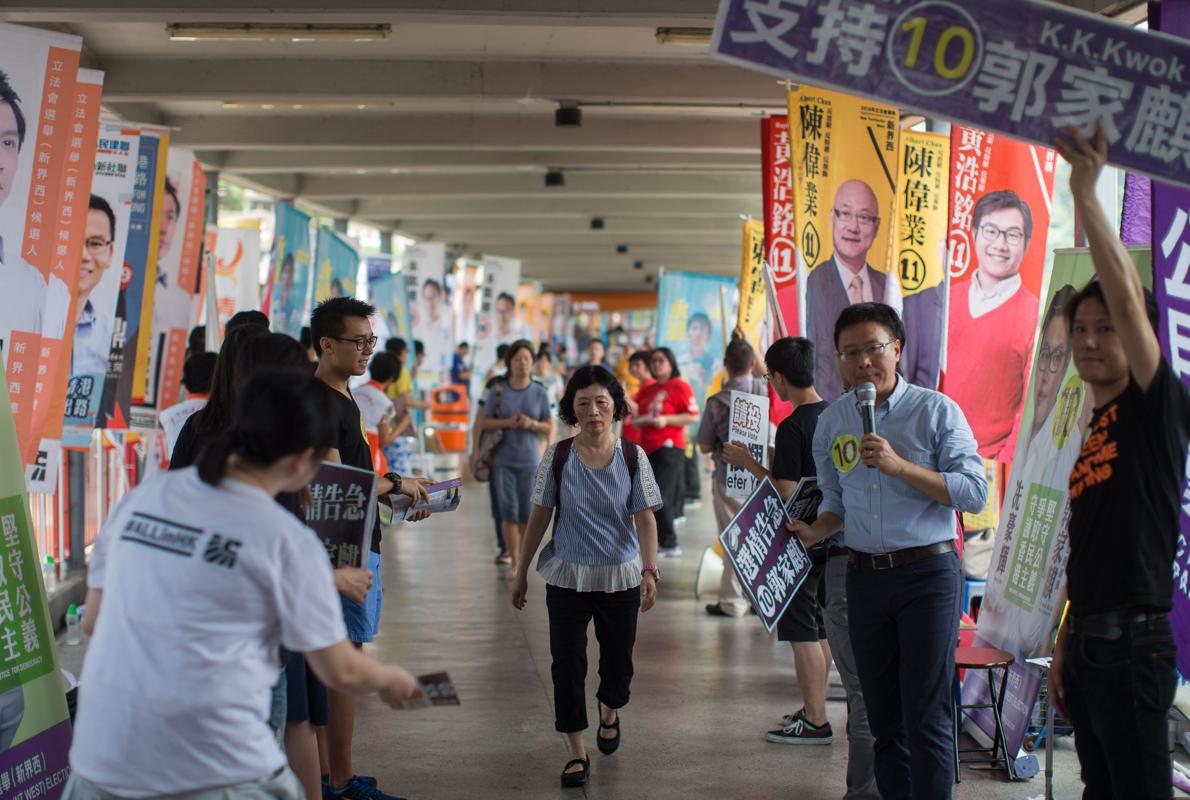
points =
(351, 440)
(518, 449)
(1125, 496)
(201, 587)
(672, 397)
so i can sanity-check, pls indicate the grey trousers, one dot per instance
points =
(861, 756)
(731, 594)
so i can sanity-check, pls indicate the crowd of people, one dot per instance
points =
(221, 632)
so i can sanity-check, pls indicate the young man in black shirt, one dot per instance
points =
(341, 334)
(1113, 673)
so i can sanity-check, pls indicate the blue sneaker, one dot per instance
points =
(358, 788)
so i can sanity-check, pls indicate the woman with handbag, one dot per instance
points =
(601, 563)
(517, 408)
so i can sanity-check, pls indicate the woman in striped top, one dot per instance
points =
(601, 562)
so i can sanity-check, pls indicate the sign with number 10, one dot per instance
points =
(1022, 67)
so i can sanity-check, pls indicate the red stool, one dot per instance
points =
(990, 659)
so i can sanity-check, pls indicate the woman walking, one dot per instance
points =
(601, 562)
(664, 409)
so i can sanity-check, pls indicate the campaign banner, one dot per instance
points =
(780, 235)
(130, 333)
(237, 271)
(771, 563)
(747, 424)
(336, 266)
(35, 730)
(38, 69)
(804, 502)
(1000, 193)
(100, 277)
(919, 251)
(496, 323)
(53, 372)
(342, 512)
(1020, 67)
(845, 165)
(533, 310)
(690, 322)
(378, 266)
(753, 305)
(1026, 588)
(388, 294)
(424, 267)
(289, 283)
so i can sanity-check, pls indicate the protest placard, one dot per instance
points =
(748, 424)
(342, 512)
(803, 503)
(771, 563)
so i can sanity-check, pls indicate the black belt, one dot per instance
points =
(835, 552)
(1112, 624)
(898, 558)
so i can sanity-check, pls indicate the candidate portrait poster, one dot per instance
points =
(290, 272)
(424, 267)
(1000, 193)
(1026, 587)
(336, 266)
(496, 322)
(237, 271)
(690, 321)
(845, 152)
(100, 277)
(388, 294)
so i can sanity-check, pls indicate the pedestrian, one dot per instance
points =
(665, 408)
(601, 563)
(638, 378)
(519, 407)
(191, 589)
(1113, 674)
(197, 373)
(380, 413)
(894, 494)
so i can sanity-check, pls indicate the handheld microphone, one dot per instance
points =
(865, 403)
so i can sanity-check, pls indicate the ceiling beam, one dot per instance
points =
(576, 229)
(409, 211)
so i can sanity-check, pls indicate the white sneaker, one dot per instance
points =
(669, 552)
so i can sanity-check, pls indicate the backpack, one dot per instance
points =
(562, 452)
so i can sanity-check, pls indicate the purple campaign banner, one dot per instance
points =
(1021, 67)
(38, 767)
(770, 562)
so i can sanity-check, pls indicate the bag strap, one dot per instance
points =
(631, 458)
(561, 453)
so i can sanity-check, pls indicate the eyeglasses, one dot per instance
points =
(1013, 236)
(847, 217)
(1051, 360)
(361, 343)
(96, 245)
(874, 350)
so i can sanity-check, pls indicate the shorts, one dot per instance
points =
(802, 620)
(306, 695)
(363, 621)
(514, 491)
(399, 455)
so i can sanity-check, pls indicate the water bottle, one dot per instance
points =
(74, 627)
(49, 574)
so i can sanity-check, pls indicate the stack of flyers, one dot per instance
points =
(444, 496)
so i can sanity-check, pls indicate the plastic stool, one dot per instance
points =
(990, 659)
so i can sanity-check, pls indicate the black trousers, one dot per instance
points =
(693, 484)
(1118, 692)
(615, 616)
(904, 626)
(669, 467)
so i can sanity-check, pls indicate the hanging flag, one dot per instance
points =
(496, 322)
(237, 271)
(336, 266)
(689, 322)
(424, 267)
(289, 282)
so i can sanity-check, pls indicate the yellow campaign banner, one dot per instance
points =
(845, 181)
(752, 299)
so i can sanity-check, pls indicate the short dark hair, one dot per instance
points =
(669, 356)
(585, 377)
(792, 357)
(197, 341)
(639, 355)
(385, 367)
(329, 316)
(271, 351)
(432, 282)
(304, 337)
(396, 345)
(1094, 291)
(883, 315)
(501, 349)
(239, 318)
(516, 347)
(8, 95)
(998, 201)
(198, 371)
(739, 356)
(506, 296)
(99, 204)
(462, 345)
(1059, 306)
(698, 318)
(419, 347)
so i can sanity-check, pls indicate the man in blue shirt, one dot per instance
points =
(895, 494)
(460, 369)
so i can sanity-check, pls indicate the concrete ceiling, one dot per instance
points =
(445, 130)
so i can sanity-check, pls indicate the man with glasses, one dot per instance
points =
(992, 316)
(894, 494)
(92, 329)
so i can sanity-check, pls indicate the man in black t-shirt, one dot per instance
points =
(816, 621)
(1113, 674)
(341, 332)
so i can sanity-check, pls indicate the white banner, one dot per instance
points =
(748, 425)
(237, 271)
(496, 322)
(424, 268)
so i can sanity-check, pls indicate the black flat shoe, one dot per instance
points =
(571, 780)
(716, 610)
(608, 746)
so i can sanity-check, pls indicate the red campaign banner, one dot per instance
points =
(779, 233)
(1000, 194)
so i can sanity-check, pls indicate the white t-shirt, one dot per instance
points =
(173, 418)
(374, 405)
(201, 585)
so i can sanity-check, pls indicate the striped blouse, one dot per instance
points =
(595, 546)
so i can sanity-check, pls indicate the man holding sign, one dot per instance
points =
(897, 489)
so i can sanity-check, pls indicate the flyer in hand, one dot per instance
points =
(437, 689)
(342, 512)
(444, 496)
(803, 503)
(770, 561)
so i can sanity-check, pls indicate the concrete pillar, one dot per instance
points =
(341, 226)
(212, 198)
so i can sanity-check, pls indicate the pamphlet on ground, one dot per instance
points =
(437, 689)
(444, 496)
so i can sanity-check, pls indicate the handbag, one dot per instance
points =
(489, 440)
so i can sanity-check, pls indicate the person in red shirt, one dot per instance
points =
(664, 409)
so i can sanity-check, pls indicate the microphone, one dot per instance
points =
(865, 403)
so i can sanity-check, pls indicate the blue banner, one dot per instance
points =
(387, 293)
(338, 266)
(1022, 67)
(691, 314)
(290, 265)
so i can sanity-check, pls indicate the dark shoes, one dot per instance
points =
(716, 610)
(571, 780)
(608, 746)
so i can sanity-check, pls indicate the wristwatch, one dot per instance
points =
(653, 569)
(395, 478)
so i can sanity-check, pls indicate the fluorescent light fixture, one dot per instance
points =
(251, 32)
(693, 37)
